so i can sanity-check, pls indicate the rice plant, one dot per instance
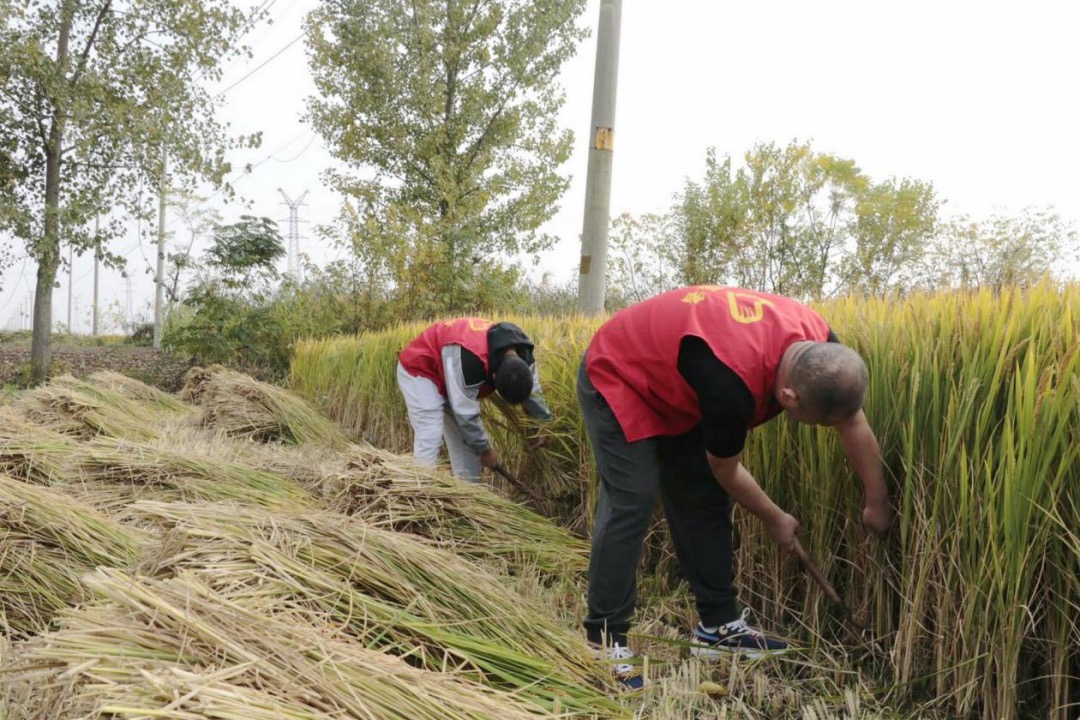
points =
(972, 602)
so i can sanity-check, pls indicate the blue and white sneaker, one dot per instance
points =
(627, 673)
(734, 637)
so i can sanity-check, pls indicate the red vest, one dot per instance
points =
(423, 356)
(633, 358)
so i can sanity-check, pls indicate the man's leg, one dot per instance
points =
(463, 461)
(699, 515)
(629, 478)
(425, 406)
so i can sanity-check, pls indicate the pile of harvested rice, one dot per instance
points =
(243, 407)
(176, 648)
(85, 410)
(387, 589)
(47, 541)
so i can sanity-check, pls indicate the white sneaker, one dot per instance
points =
(736, 636)
(628, 673)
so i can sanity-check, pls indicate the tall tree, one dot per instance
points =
(893, 228)
(446, 112)
(96, 93)
(798, 222)
(1004, 250)
(646, 259)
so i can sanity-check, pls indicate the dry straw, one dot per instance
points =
(390, 591)
(47, 540)
(177, 649)
(245, 408)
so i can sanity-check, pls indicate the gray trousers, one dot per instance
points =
(698, 512)
(432, 422)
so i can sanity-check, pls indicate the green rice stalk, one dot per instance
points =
(390, 591)
(47, 540)
(177, 649)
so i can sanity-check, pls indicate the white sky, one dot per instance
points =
(978, 98)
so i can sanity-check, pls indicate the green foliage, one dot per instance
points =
(232, 319)
(894, 225)
(791, 221)
(446, 111)
(643, 260)
(246, 250)
(94, 95)
(1003, 250)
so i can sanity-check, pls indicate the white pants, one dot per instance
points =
(432, 420)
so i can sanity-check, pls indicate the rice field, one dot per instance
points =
(972, 604)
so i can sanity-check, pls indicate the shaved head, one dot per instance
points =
(830, 380)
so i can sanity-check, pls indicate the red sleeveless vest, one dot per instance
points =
(423, 356)
(633, 358)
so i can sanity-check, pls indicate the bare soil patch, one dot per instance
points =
(153, 367)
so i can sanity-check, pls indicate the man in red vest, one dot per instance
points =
(669, 389)
(443, 375)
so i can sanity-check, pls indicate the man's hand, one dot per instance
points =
(782, 528)
(878, 517)
(489, 459)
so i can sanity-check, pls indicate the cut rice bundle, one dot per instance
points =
(246, 408)
(137, 390)
(47, 540)
(389, 590)
(84, 410)
(176, 648)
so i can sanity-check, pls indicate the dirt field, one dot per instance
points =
(143, 363)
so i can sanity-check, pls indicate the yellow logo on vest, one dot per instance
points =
(747, 315)
(475, 324)
(699, 293)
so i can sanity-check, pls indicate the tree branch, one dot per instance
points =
(90, 42)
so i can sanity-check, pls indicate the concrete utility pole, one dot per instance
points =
(159, 277)
(594, 232)
(71, 280)
(97, 260)
(295, 267)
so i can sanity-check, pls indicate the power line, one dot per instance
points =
(295, 40)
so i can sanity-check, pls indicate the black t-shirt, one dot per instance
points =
(727, 405)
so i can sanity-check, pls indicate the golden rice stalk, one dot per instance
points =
(47, 540)
(31, 452)
(183, 474)
(177, 649)
(246, 408)
(137, 390)
(83, 410)
(389, 590)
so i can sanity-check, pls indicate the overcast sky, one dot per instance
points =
(978, 98)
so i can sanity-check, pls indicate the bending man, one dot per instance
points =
(443, 375)
(669, 389)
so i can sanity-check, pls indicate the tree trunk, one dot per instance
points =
(48, 255)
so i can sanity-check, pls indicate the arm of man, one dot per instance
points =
(864, 455)
(727, 409)
(744, 489)
(464, 398)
